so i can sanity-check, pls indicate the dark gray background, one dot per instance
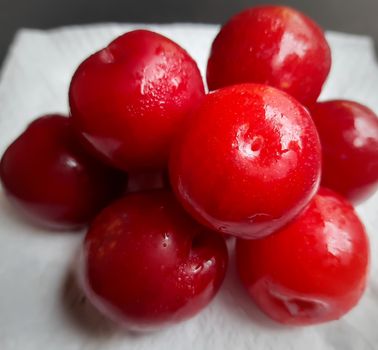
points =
(353, 16)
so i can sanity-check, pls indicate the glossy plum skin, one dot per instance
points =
(48, 176)
(147, 264)
(274, 45)
(248, 162)
(313, 270)
(128, 100)
(349, 136)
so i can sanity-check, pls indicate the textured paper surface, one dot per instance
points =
(40, 306)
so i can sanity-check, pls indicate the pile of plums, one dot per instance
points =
(164, 172)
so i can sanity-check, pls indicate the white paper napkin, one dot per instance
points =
(40, 306)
